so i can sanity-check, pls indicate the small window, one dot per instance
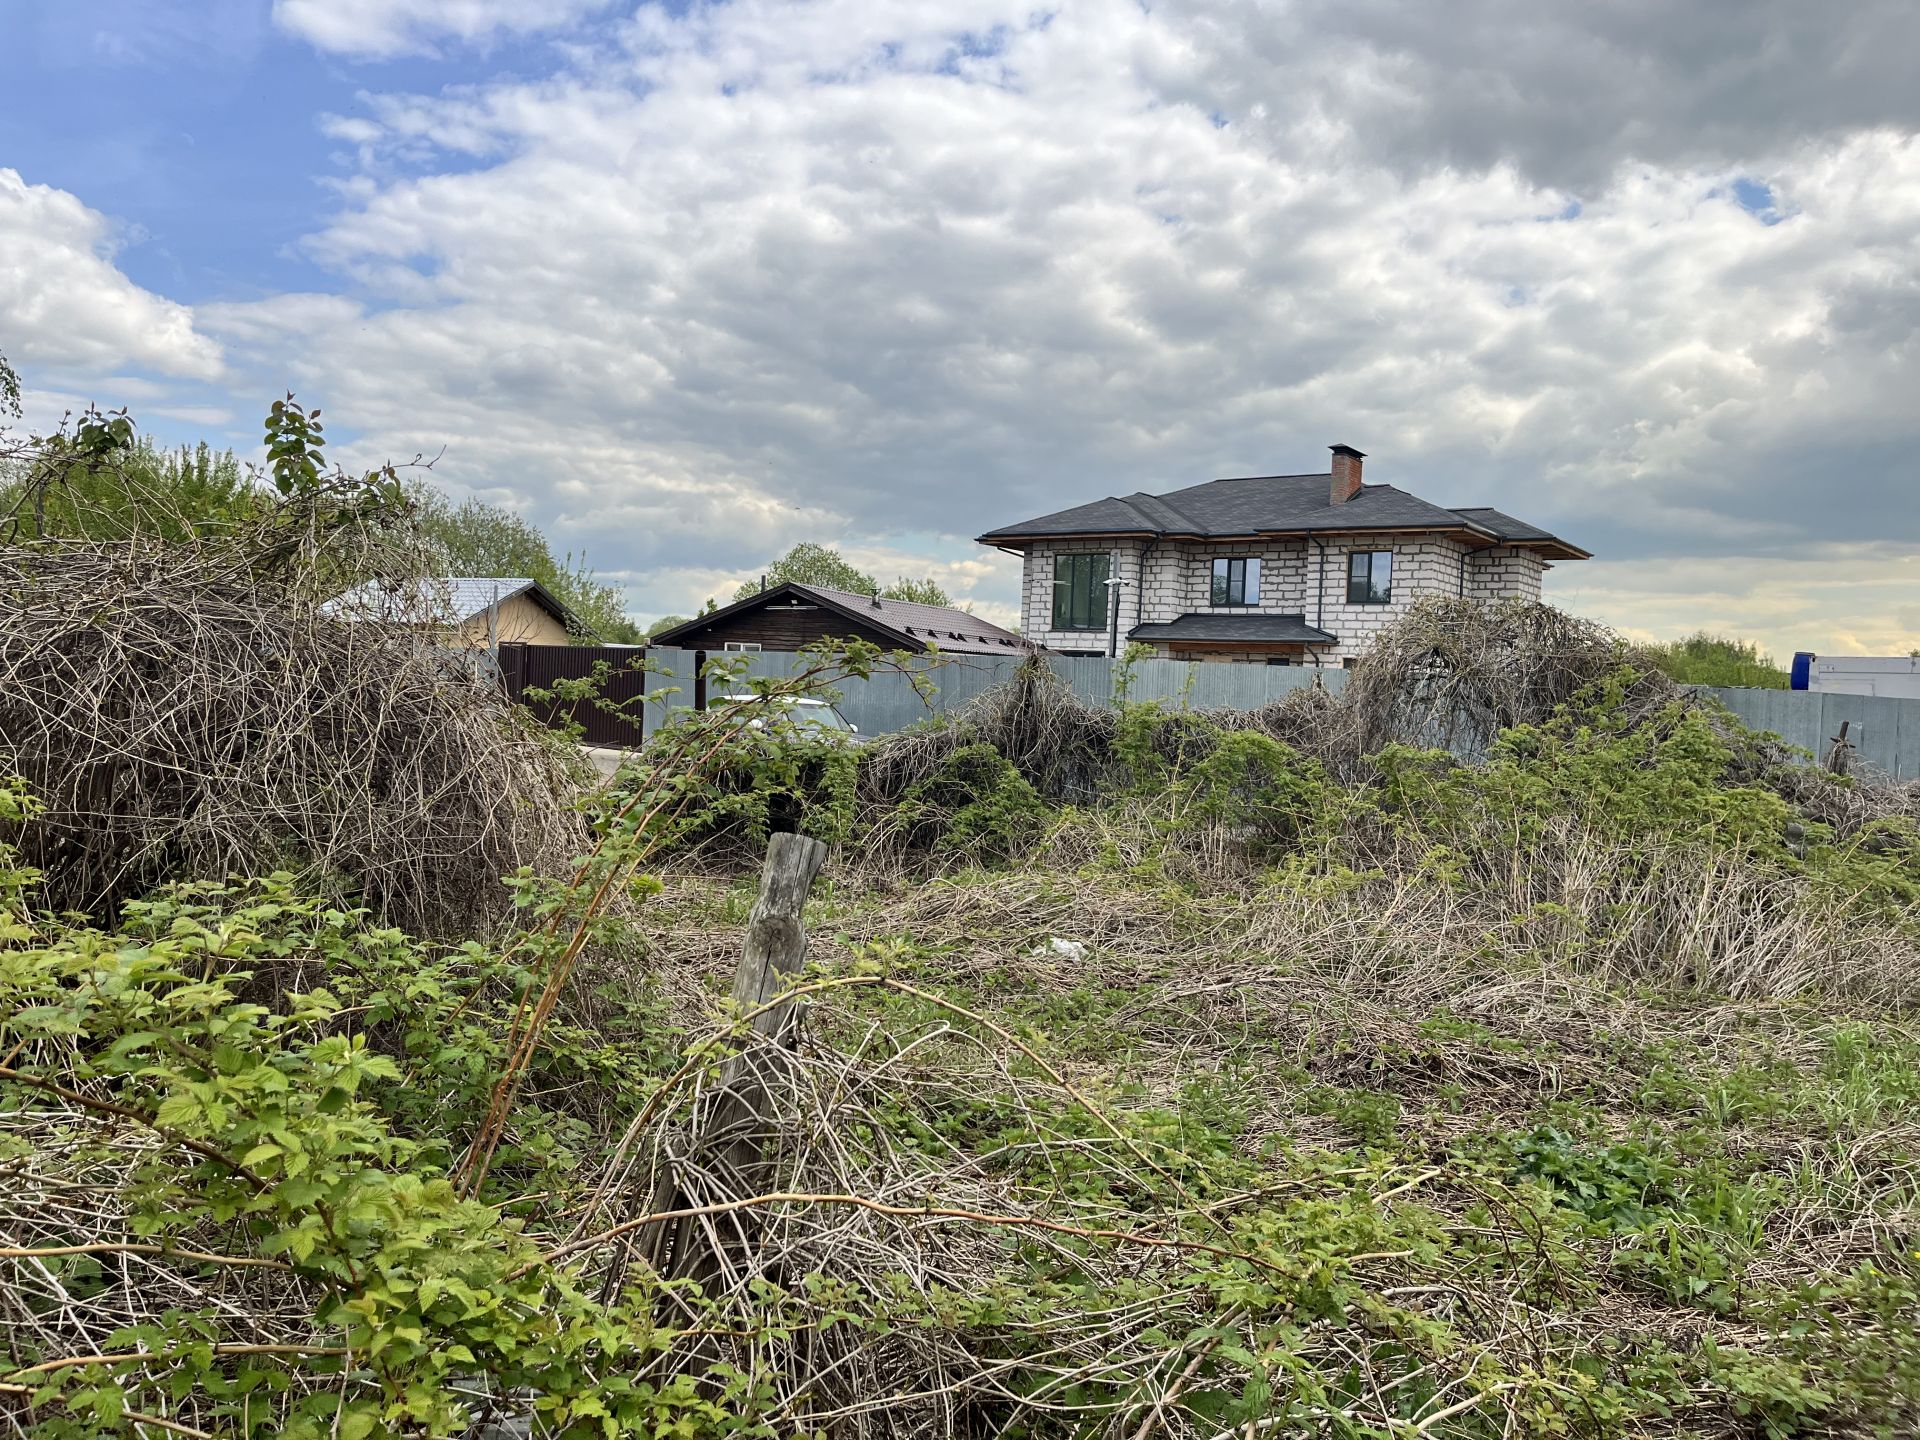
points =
(1080, 591)
(1236, 581)
(1370, 577)
(1280, 660)
(743, 647)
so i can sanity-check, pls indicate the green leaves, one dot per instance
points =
(294, 444)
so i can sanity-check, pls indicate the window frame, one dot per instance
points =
(1220, 582)
(1068, 587)
(1369, 594)
(740, 647)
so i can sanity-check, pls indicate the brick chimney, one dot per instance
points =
(1346, 474)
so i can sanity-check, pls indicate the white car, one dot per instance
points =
(815, 719)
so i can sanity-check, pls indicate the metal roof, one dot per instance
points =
(1235, 629)
(444, 600)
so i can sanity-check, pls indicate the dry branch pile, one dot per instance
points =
(184, 718)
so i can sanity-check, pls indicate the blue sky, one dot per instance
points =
(687, 285)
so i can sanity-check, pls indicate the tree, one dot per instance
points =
(475, 538)
(812, 564)
(921, 592)
(665, 623)
(9, 389)
(132, 487)
(1703, 659)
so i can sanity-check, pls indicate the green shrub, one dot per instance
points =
(976, 806)
(1254, 784)
(1703, 659)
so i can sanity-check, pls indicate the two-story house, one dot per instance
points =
(1273, 569)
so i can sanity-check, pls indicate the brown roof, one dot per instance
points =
(918, 627)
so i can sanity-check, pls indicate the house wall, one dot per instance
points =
(1505, 573)
(517, 618)
(1423, 565)
(1175, 578)
(1036, 597)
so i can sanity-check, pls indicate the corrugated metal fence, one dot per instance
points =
(1885, 732)
(889, 700)
(540, 666)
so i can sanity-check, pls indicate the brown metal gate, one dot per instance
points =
(524, 667)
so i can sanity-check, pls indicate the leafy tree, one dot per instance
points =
(812, 564)
(1703, 659)
(921, 592)
(475, 538)
(664, 624)
(117, 485)
(9, 389)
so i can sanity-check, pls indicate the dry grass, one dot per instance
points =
(1027, 1189)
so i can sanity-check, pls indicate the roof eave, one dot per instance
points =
(766, 597)
(994, 537)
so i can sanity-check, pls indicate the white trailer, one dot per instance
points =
(1895, 676)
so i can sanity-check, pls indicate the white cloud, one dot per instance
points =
(885, 276)
(1852, 599)
(66, 309)
(385, 28)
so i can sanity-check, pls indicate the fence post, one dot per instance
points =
(512, 659)
(733, 1147)
(699, 679)
(1839, 758)
(640, 711)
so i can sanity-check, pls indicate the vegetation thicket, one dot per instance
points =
(1510, 1044)
(814, 564)
(137, 490)
(1704, 659)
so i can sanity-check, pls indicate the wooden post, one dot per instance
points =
(699, 679)
(1839, 756)
(733, 1153)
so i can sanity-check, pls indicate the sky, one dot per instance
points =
(688, 283)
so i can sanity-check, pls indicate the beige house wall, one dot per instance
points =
(516, 619)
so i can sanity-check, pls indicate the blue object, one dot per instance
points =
(1802, 669)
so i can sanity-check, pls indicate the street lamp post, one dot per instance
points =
(1113, 617)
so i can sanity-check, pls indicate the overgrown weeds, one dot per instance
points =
(1160, 1074)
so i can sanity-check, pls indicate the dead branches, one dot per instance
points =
(184, 719)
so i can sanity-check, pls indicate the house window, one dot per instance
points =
(1080, 591)
(743, 646)
(1236, 582)
(1370, 577)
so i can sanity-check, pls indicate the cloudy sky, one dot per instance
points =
(687, 284)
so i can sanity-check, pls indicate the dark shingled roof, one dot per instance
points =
(1503, 525)
(1266, 504)
(1235, 629)
(917, 626)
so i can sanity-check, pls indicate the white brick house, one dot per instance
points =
(1274, 569)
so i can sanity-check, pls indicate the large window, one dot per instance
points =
(1236, 582)
(1370, 577)
(1080, 591)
